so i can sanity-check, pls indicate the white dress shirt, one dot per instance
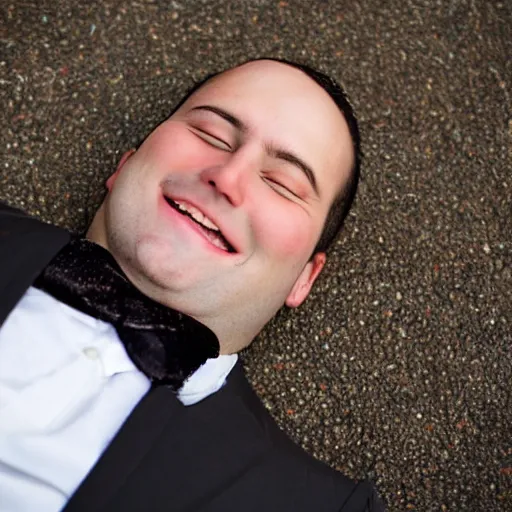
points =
(66, 387)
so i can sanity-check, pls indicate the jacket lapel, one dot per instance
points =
(124, 454)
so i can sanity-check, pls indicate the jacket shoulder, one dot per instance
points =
(295, 480)
(26, 246)
(14, 222)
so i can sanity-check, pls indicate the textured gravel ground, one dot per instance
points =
(399, 366)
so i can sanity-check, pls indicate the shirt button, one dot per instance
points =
(91, 353)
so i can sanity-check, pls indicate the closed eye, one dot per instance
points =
(211, 139)
(281, 189)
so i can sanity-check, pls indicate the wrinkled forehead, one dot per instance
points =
(281, 105)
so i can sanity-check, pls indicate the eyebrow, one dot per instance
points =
(273, 151)
(230, 118)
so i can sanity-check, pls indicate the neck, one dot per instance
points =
(96, 231)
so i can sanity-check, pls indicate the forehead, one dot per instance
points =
(283, 106)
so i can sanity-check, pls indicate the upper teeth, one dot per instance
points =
(197, 215)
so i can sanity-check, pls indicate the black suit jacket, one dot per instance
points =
(224, 454)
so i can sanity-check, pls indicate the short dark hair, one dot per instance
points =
(342, 203)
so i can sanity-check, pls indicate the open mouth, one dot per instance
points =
(208, 228)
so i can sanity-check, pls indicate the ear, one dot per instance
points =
(120, 165)
(305, 281)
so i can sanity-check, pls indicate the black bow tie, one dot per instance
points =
(166, 345)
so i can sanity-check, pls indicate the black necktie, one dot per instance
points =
(166, 345)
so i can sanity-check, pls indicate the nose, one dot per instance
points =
(232, 178)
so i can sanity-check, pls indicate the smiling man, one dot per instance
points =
(134, 399)
(260, 151)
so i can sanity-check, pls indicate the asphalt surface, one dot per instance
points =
(398, 368)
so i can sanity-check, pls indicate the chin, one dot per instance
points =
(162, 272)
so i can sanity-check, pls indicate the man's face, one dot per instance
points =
(218, 211)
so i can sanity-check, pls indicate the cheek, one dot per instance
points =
(286, 232)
